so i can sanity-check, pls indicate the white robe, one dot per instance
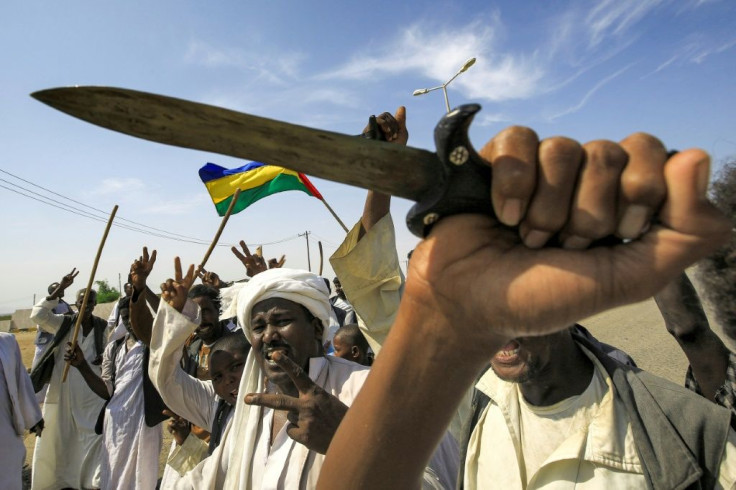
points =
(130, 448)
(190, 398)
(19, 411)
(68, 454)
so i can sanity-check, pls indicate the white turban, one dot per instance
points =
(299, 286)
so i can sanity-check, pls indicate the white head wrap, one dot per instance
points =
(299, 286)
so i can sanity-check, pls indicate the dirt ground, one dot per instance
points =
(27, 348)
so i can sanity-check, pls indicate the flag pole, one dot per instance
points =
(229, 211)
(321, 257)
(82, 308)
(335, 215)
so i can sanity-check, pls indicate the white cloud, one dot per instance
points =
(696, 50)
(437, 54)
(176, 207)
(118, 186)
(567, 48)
(492, 119)
(589, 94)
(266, 66)
(616, 17)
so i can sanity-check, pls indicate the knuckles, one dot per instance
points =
(605, 155)
(515, 134)
(644, 142)
(561, 151)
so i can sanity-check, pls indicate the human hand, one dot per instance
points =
(495, 282)
(254, 263)
(313, 417)
(212, 279)
(74, 356)
(178, 427)
(65, 282)
(276, 264)
(175, 291)
(200, 433)
(141, 268)
(38, 428)
(392, 127)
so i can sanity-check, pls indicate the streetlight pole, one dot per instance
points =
(423, 91)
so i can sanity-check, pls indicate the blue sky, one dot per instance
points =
(587, 69)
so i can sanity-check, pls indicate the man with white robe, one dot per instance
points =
(68, 454)
(44, 339)
(131, 447)
(250, 456)
(19, 412)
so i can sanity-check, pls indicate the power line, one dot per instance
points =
(104, 213)
(86, 214)
(326, 241)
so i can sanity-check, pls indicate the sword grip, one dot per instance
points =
(466, 183)
(373, 132)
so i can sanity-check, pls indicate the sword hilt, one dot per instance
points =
(466, 184)
(373, 133)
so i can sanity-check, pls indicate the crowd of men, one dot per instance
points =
(471, 373)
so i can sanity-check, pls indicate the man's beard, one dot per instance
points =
(531, 372)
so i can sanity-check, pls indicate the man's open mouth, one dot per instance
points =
(268, 355)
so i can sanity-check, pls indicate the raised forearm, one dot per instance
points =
(377, 206)
(141, 319)
(43, 315)
(685, 319)
(405, 406)
(681, 309)
(95, 383)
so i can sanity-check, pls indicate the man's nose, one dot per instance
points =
(271, 334)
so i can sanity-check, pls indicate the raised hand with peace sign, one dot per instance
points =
(175, 291)
(255, 263)
(314, 415)
(65, 282)
(141, 268)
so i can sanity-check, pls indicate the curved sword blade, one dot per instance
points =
(389, 168)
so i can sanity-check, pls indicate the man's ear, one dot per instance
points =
(318, 329)
(355, 352)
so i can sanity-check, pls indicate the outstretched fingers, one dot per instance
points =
(274, 401)
(243, 257)
(149, 260)
(298, 376)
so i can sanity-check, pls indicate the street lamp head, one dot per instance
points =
(420, 91)
(467, 64)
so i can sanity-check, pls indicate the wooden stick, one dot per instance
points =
(335, 215)
(321, 258)
(91, 281)
(219, 232)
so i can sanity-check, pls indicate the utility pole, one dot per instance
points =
(120, 286)
(309, 262)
